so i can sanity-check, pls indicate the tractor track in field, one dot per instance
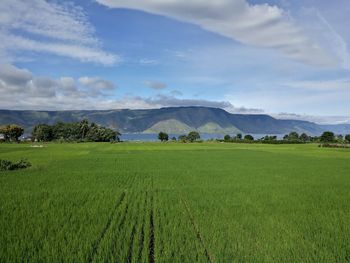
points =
(122, 221)
(141, 237)
(132, 238)
(151, 238)
(198, 232)
(142, 234)
(106, 227)
(151, 225)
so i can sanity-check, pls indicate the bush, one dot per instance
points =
(6, 165)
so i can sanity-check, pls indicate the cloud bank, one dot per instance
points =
(20, 89)
(260, 25)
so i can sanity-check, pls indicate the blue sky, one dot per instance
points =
(280, 57)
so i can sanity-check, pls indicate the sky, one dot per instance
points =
(286, 58)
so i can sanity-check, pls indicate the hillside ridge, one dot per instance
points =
(171, 119)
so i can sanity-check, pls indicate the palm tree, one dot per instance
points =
(84, 127)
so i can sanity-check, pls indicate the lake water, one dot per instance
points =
(204, 136)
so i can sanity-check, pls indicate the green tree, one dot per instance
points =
(239, 136)
(304, 137)
(59, 131)
(83, 128)
(42, 132)
(182, 138)
(11, 132)
(193, 136)
(93, 133)
(162, 136)
(4, 132)
(83, 131)
(347, 138)
(339, 138)
(248, 137)
(227, 138)
(269, 138)
(293, 136)
(327, 137)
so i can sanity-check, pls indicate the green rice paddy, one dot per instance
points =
(172, 202)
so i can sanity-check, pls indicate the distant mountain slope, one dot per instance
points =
(172, 120)
(169, 126)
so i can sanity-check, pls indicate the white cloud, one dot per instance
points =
(169, 101)
(17, 82)
(14, 77)
(96, 82)
(69, 88)
(20, 89)
(259, 25)
(316, 119)
(40, 26)
(96, 86)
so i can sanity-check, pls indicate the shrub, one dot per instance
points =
(6, 165)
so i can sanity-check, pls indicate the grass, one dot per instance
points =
(153, 202)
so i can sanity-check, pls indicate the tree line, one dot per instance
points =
(74, 131)
(91, 132)
(190, 137)
(292, 137)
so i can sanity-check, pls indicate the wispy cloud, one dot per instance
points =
(259, 25)
(317, 26)
(157, 85)
(320, 85)
(148, 62)
(49, 27)
(176, 93)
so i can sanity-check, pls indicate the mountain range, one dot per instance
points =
(174, 120)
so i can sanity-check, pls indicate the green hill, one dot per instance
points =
(172, 120)
(169, 126)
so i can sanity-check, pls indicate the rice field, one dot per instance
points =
(172, 202)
